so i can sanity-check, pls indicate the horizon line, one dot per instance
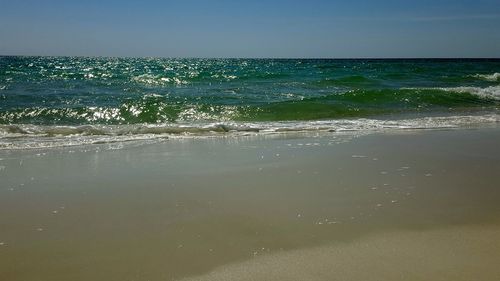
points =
(256, 58)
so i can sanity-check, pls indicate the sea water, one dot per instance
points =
(60, 101)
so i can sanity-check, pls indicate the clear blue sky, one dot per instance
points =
(253, 28)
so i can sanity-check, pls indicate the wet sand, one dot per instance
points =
(454, 253)
(408, 206)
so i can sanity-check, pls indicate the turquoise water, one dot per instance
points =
(51, 96)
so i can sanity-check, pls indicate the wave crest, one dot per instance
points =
(489, 77)
(492, 92)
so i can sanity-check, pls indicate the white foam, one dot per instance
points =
(34, 136)
(488, 92)
(492, 92)
(489, 77)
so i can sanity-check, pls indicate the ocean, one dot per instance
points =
(249, 169)
(61, 101)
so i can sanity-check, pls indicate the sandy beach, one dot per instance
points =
(402, 205)
(197, 140)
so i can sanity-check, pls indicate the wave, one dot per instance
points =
(42, 136)
(492, 92)
(154, 109)
(488, 77)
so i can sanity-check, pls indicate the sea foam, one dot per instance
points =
(24, 136)
(488, 77)
(492, 92)
(488, 92)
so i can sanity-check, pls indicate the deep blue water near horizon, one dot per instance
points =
(80, 96)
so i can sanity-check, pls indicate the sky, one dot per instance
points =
(251, 29)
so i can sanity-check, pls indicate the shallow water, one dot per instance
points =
(184, 207)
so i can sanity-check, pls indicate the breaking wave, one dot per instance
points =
(42, 136)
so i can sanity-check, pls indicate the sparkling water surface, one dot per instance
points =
(47, 97)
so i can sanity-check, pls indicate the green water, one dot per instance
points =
(253, 94)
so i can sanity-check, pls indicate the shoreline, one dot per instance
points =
(28, 136)
(186, 207)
